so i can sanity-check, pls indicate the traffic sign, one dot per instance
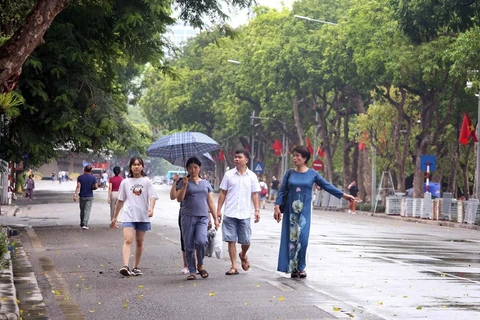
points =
(428, 160)
(258, 167)
(317, 165)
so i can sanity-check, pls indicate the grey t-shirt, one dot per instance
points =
(195, 202)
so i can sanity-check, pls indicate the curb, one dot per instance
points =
(9, 309)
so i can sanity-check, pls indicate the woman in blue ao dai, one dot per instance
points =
(298, 212)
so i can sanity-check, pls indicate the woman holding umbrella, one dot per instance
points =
(196, 197)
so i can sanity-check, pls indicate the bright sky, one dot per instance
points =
(241, 17)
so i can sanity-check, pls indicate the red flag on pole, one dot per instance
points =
(467, 130)
(277, 147)
(309, 145)
(320, 152)
(221, 156)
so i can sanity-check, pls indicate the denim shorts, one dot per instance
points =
(140, 226)
(236, 230)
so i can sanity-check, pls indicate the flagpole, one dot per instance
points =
(477, 173)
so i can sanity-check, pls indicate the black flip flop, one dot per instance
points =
(203, 273)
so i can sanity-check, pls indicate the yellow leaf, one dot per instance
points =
(77, 285)
(29, 292)
(380, 303)
(258, 286)
(194, 284)
(444, 307)
(67, 297)
(125, 304)
(102, 265)
(99, 303)
(419, 308)
(336, 309)
(40, 313)
(88, 288)
(140, 286)
(211, 294)
(281, 298)
(443, 275)
(140, 296)
(405, 297)
(90, 310)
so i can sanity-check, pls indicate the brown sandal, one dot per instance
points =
(191, 277)
(245, 262)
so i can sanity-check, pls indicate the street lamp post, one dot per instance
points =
(315, 20)
(477, 171)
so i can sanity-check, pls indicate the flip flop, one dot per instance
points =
(231, 272)
(245, 262)
(203, 273)
(191, 277)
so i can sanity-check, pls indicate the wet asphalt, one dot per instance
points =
(358, 266)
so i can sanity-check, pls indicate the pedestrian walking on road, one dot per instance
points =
(263, 193)
(274, 189)
(238, 189)
(196, 197)
(30, 186)
(173, 196)
(298, 183)
(113, 186)
(138, 192)
(86, 183)
(104, 179)
(353, 190)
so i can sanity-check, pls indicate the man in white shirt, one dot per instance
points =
(239, 188)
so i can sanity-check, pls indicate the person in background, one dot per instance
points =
(263, 193)
(353, 190)
(113, 187)
(86, 183)
(53, 176)
(104, 179)
(196, 197)
(238, 189)
(138, 192)
(298, 183)
(30, 185)
(274, 189)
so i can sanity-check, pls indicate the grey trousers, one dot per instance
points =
(85, 208)
(194, 232)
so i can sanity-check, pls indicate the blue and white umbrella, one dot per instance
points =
(208, 164)
(182, 145)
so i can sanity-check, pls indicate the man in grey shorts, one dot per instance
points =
(239, 188)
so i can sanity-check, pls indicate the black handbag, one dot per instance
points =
(285, 193)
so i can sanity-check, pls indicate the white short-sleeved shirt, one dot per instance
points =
(136, 192)
(238, 203)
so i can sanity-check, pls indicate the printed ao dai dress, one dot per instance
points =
(297, 217)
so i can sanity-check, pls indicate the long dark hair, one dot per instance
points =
(130, 174)
(193, 160)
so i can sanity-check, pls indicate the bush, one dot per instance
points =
(4, 263)
(73, 176)
(368, 207)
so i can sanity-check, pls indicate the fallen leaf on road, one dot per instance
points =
(281, 299)
(125, 304)
(336, 309)
(140, 296)
(90, 310)
(140, 286)
(419, 308)
(211, 294)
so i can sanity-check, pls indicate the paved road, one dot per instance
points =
(358, 266)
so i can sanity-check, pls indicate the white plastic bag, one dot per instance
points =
(218, 243)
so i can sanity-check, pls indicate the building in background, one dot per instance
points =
(180, 32)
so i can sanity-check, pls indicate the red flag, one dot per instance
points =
(221, 156)
(467, 130)
(320, 152)
(309, 145)
(361, 146)
(277, 147)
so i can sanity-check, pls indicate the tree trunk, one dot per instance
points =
(364, 182)
(18, 48)
(298, 123)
